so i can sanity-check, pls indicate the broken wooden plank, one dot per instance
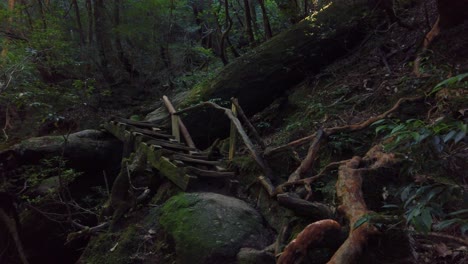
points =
(210, 173)
(168, 169)
(196, 161)
(147, 132)
(142, 124)
(166, 144)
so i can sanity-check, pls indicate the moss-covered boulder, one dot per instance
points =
(211, 228)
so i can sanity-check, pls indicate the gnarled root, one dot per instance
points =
(353, 206)
(311, 236)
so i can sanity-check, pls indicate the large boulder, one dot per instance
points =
(211, 228)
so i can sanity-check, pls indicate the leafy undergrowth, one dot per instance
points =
(426, 195)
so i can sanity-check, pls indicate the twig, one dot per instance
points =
(106, 182)
(345, 128)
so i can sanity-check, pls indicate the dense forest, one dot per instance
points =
(233, 131)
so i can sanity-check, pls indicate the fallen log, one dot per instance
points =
(262, 75)
(87, 150)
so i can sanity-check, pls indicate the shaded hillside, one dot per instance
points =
(356, 153)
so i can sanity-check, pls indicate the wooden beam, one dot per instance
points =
(248, 124)
(232, 134)
(183, 128)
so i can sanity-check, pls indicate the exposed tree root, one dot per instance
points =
(307, 181)
(311, 236)
(345, 128)
(353, 206)
(309, 160)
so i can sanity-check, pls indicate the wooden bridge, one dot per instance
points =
(182, 164)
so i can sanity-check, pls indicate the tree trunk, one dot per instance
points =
(266, 20)
(41, 11)
(11, 6)
(78, 22)
(118, 43)
(248, 23)
(104, 43)
(89, 8)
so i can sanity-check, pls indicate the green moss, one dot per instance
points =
(42, 141)
(99, 248)
(201, 227)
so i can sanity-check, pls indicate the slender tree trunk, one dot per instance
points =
(248, 23)
(41, 11)
(253, 13)
(225, 34)
(266, 21)
(237, 12)
(89, 8)
(28, 15)
(11, 6)
(118, 42)
(103, 41)
(78, 22)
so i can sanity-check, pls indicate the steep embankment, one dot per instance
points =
(265, 73)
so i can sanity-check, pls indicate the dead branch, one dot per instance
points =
(266, 183)
(183, 128)
(248, 143)
(247, 123)
(85, 231)
(307, 181)
(311, 236)
(307, 163)
(345, 128)
(303, 207)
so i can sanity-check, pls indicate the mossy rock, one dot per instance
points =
(211, 228)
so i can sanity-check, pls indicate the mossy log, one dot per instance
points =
(87, 150)
(266, 72)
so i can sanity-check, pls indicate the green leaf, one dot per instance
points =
(463, 211)
(446, 223)
(397, 128)
(378, 122)
(390, 206)
(464, 228)
(449, 136)
(426, 218)
(380, 128)
(460, 135)
(361, 221)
